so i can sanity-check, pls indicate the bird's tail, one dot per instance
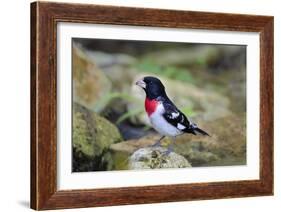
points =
(197, 130)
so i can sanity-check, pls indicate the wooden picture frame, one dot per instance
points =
(44, 19)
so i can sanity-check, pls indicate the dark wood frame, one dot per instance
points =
(44, 19)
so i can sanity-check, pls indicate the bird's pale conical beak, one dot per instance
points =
(141, 83)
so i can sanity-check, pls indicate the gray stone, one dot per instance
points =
(155, 158)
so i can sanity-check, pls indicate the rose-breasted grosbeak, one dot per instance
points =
(164, 116)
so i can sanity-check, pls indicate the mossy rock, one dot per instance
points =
(92, 136)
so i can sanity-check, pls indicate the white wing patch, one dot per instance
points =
(180, 126)
(175, 115)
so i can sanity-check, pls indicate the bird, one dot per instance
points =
(163, 114)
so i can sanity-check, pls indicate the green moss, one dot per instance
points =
(82, 137)
(92, 134)
(120, 160)
(106, 133)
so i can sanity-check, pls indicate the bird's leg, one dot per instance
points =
(158, 143)
(170, 147)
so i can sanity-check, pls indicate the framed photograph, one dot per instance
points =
(136, 105)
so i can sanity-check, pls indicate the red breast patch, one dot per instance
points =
(150, 105)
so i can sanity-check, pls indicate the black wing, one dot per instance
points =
(174, 116)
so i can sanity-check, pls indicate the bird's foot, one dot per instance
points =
(156, 144)
(169, 150)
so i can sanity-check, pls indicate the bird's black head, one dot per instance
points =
(152, 86)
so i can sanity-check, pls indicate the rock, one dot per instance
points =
(195, 149)
(155, 158)
(121, 77)
(92, 136)
(122, 151)
(99, 76)
(90, 84)
(116, 66)
(133, 145)
(226, 146)
(207, 104)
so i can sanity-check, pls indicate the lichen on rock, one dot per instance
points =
(155, 158)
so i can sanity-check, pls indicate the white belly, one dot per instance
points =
(161, 125)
